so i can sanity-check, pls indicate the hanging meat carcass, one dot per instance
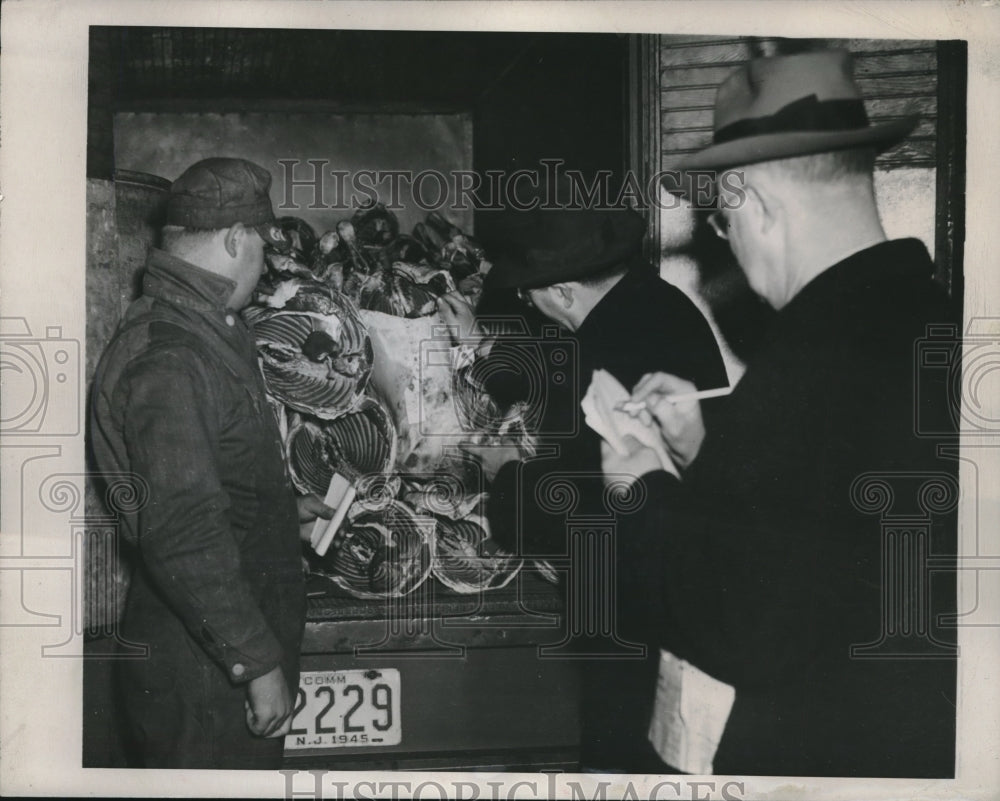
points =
(434, 405)
(360, 263)
(315, 352)
(466, 559)
(432, 241)
(441, 495)
(454, 250)
(301, 237)
(375, 226)
(382, 553)
(407, 249)
(328, 260)
(357, 444)
(472, 288)
(317, 359)
(405, 290)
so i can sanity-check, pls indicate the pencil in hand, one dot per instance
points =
(632, 408)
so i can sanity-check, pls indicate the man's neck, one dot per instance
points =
(821, 241)
(588, 299)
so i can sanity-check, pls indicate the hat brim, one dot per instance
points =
(508, 271)
(515, 268)
(511, 273)
(273, 235)
(768, 147)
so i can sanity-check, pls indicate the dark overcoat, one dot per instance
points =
(784, 569)
(642, 325)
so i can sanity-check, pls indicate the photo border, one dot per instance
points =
(43, 118)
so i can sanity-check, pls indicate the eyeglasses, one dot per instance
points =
(524, 295)
(719, 223)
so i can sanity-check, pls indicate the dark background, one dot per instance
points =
(532, 96)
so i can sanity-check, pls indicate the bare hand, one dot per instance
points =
(623, 470)
(460, 318)
(492, 457)
(311, 507)
(269, 705)
(680, 423)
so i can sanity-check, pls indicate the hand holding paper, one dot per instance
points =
(460, 317)
(311, 508)
(673, 403)
(614, 425)
(339, 496)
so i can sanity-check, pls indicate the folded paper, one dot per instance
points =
(604, 394)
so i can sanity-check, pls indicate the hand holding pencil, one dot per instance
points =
(634, 407)
(673, 403)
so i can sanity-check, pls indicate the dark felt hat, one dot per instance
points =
(219, 192)
(795, 105)
(563, 244)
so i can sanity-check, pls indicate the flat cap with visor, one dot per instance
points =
(220, 192)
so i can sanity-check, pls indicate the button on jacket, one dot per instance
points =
(179, 402)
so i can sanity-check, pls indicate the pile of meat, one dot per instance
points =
(342, 321)
(369, 261)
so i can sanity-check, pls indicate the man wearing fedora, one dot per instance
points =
(217, 593)
(580, 268)
(774, 623)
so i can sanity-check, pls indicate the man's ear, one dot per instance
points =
(565, 292)
(234, 238)
(765, 205)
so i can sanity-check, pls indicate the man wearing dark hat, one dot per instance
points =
(581, 269)
(178, 402)
(781, 654)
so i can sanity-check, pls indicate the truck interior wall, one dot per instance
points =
(537, 96)
(166, 143)
(561, 98)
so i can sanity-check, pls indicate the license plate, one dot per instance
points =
(346, 709)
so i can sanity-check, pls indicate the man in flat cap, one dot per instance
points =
(581, 269)
(217, 594)
(789, 647)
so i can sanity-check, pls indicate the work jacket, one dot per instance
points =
(178, 403)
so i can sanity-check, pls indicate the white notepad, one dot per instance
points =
(689, 715)
(604, 394)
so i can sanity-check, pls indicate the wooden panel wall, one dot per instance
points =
(898, 77)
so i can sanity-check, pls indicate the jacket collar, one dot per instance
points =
(894, 263)
(184, 284)
(892, 260)
(607, 310)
